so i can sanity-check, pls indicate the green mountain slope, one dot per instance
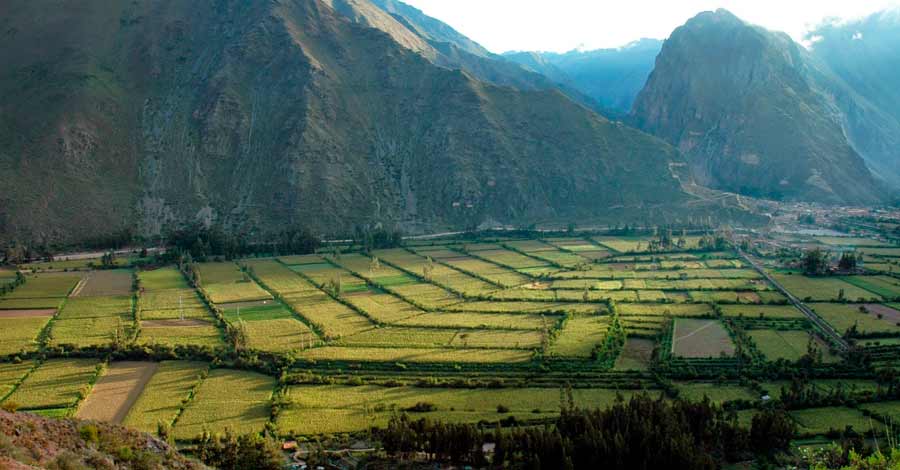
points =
(747, 108)
(145, 115)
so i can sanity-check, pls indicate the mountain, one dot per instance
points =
(138, 117)
(753, 113)
(612, 77)
(442, 45)
(862, 55)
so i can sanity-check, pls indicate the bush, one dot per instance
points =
(422, 407)
(502, 409)
(9, 406)
(89, 433)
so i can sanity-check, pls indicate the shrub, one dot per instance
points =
(89, 433)
(9, 406)
(422, 407)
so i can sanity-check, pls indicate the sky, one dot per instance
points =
(563, 25)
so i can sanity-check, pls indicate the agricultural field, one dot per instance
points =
(354, 336)
(580, 335)
(11, 374)
(55, 384)
(163, 395)
(20, 333)
(693, 338)
(417, 355)
(866, 318)
(116, 391)
(717, 392)
(818, 421)
(330, 409)
(224, 282)
(636, 354)
(775, 345)
(822, 288)
(105, 283)
(231, 399)
(91, 321)
(885, 286)
(41, 291)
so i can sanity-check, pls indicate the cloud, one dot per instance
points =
(857, 36)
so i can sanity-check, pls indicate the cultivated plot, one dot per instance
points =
(696, 338)
(115, 392)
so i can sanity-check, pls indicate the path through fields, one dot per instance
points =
(115, 393)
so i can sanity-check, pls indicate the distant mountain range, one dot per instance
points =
(140, 117)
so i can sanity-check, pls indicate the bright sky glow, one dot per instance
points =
(563, 25)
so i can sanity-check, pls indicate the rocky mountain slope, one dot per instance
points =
(753, 113)
(28, 442)
(612, 77)
(139, 116)
(862, 57)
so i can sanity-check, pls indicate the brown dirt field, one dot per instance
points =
(48, 312)
(104, 283)
(887, 313)
(188, 322)
(115, 393)
(698, 338)
(636, 354)
(751, 297)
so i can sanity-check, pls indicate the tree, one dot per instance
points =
(814, 262)
(848, 261)
(771, 432)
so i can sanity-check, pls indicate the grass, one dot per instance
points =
(227, 399)
(327, 409)
(18, 334)
(57, 383)
(417, 355)
(162, 398)
(384, 308)
(821, 288)
(526, 307)
(402, 337)
(38, 303)
(845, 316)
(675, 310)
(580, 335)
(775, 345)
(693, 338)
(887, 412)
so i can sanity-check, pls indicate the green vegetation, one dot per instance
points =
(164, 396)
(229, 399)
(57, 383)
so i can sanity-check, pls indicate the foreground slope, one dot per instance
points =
(748, 108)
(257, 115)
(30, 441)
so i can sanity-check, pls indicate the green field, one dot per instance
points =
(20, 334)
(227, 399)
(821, 288)
(11, 375)
(224, 282)
(580, 335)
(818, 421)
(775, 345)
(845, 316)
(90, 321)
(338, 408)
(57, 383)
